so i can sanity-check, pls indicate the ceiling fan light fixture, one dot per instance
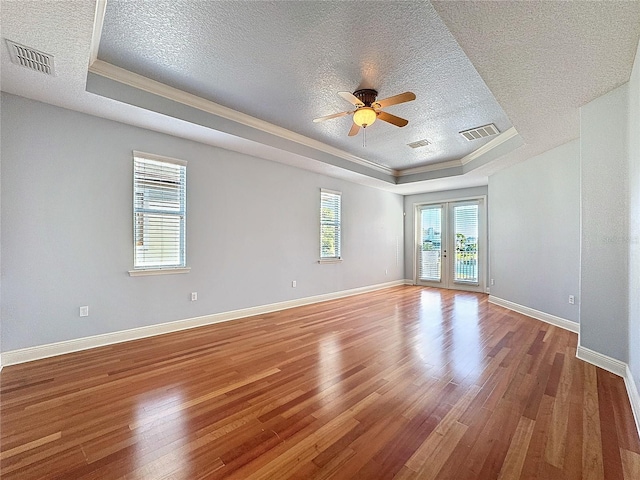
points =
(364, 116)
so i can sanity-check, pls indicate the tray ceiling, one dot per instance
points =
(251, 76)
(284, 62)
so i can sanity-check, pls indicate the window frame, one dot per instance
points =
(335, 222)
(160, 269)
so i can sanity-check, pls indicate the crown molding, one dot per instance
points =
(483, 150)
(432, 167)
(98, 22)
(112, 72)
(487, 147)
(126, 77)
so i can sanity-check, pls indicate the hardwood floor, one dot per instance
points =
(402, 383)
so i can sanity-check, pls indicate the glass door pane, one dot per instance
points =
(465, 220)
(430, 264)
(450, 246)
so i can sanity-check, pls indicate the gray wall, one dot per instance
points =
(634, 219)
(605, 234)
(252, 228)
(1, 276)
(534, 232)
(410, 202)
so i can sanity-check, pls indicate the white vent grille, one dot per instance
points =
(480, 132)
(30, 58)
(419, 143)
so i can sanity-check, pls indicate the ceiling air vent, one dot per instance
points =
(480, 132)
(30, 58)
(418, 144)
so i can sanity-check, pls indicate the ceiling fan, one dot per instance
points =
(368, 109)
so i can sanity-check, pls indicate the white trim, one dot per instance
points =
(487, 147)
(603, 361)
(634, 396)
(616, 367)
(158, 271)
(450, 200)
(98, 22)
(590, 356)
(483, 237)
(43, 351)
(537, 314)
(104, 69)
(432, 167)
(112, 72)
(483, 150)
(159, 158)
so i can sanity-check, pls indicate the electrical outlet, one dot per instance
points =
(194, 296)
(493, 282)
(294, 284)
(84, 311)
(386, 271)
(572, 299)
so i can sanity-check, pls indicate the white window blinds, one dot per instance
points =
(466, 241)
(330, 204)
(159, 212)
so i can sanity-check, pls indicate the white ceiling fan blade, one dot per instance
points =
(329, 117)
(351, 98)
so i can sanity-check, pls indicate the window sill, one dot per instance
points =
(330, 260)
(159, 271)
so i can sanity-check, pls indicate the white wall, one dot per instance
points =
(534, 232)
(252, 228)
(633, 138)
(605, 234)
(410, 202)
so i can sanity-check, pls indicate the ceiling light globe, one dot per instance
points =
(364, 116)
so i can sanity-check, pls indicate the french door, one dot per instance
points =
(450, 245)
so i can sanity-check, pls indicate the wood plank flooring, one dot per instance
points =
(404, 383)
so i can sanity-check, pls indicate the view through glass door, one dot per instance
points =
(449, 245)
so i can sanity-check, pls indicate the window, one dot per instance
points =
(465, 219)
(159, 214)
(330, 225)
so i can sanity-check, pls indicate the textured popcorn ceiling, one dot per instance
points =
(540, 60)
(284, 62)
(544, 60)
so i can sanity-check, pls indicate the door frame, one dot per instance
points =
(482, 250)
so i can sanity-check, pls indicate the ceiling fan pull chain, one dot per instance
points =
(364, 137)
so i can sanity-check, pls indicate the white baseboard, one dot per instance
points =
(29, 354)
(537, 314)
(603, 361)
(619, 368)
(634, 396)
(598, 359)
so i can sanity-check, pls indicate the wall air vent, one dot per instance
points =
(30, 58)
(480, 132)
(418, 144)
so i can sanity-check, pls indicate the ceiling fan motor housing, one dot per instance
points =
(366, 96)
